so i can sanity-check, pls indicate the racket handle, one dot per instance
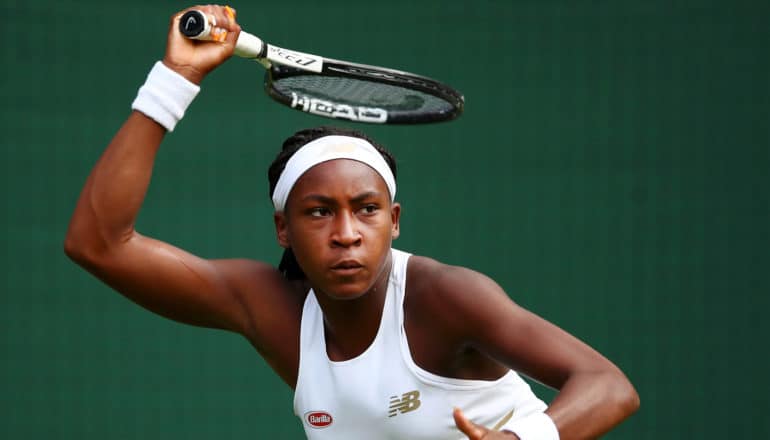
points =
(195, 25)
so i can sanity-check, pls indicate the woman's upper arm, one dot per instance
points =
(494, 324)
(181, 286)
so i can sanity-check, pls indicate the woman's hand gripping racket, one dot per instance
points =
(339, 89)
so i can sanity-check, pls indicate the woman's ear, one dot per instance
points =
(281, 229)
(395, 215)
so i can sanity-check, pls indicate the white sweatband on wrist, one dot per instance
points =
(165, 96)
(536, 426)
(325, 149)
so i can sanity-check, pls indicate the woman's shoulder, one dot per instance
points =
(437, 288)
(266, 295)
(428, 273)
(446, 309)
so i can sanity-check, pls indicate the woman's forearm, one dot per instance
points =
(591, 403)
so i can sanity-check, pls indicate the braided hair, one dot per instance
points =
(289, 266)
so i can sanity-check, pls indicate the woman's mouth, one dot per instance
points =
(347, 267)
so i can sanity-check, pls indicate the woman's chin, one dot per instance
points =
(346, 290)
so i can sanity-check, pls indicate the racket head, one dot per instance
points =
(363, 93)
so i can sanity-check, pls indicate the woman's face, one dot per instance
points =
(340, 223)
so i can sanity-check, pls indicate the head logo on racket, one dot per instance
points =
(330, 109)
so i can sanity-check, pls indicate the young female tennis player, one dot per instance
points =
(377, 344)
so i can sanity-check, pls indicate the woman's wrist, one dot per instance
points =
(189, 73)
(165, 96)
(536, 426)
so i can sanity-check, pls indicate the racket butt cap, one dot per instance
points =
(193, 24)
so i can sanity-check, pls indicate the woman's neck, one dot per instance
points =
(350, 326)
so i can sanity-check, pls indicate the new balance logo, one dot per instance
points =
(408, 402)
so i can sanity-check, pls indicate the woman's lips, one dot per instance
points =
(347, 267)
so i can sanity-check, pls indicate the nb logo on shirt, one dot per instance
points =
(408, 402)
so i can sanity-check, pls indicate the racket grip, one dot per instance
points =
(195, 25)
(249, 46)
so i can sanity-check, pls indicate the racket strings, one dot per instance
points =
(361, 93)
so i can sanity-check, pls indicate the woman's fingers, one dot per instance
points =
(194, 59)
(472, 430)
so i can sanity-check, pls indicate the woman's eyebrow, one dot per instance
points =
(320, 198)
(365, 196)
(326, 200)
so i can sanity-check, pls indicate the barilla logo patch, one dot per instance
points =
(319, 419)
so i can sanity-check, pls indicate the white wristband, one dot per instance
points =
(537, 426)
(165, 96)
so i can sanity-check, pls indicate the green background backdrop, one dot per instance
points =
(610, 171)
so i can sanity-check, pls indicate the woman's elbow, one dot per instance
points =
(73, 247)
(626, 398)
(84, 249)
(77, 251)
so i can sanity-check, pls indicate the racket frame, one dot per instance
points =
(283, 63)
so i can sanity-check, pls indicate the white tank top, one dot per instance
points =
(383, 394)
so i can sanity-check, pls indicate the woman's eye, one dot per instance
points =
(319, 212)
(369, 209)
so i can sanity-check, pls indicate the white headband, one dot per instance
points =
(325, 149)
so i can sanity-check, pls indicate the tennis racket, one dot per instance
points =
(339, 89)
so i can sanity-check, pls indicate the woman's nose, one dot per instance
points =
(346, 231)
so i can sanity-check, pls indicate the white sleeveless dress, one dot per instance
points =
(382, 394)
